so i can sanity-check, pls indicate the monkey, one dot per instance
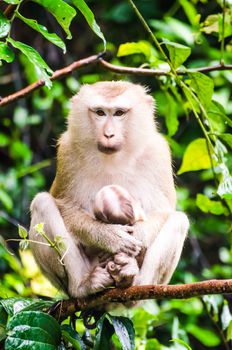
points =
(111, 138)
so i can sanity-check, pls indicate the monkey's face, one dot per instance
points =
(111, 117)
(109, 124)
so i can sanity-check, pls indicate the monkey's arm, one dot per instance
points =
(91, 232)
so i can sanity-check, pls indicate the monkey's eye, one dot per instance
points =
(100, 112)
(119, 113)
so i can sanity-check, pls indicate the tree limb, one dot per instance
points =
(114, 68)
(66, 308)
(158, 72)
(57, 74)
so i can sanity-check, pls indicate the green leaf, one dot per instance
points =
(181, 342)
(104, 332)
(210, 206)
(216, 116)
(190, 11)
(69, 334)
(15, 305)
(63, 13)
(211, 24)
(142, 47)
(125, 332)
(4, 140)
(171, 116)
(205, 336)
(6, 199)
(227, 138)
(22, 232)
(6, 53)
(4, 25)
(23, 245)
(52, 37)
(3, 321)
(177, 53)
(226, 316)
(13, 2)
(89, 16)
(36, 320)
(196, 157)
(42, 69)
(229, 332)
(203, 87)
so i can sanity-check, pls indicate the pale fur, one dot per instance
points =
(142, 165)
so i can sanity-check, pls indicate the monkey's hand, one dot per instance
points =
(121, 241)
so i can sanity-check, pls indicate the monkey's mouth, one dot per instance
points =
(108, 149)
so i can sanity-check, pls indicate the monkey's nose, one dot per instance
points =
(109, 134)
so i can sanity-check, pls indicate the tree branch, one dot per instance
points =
(158, 72)
(114, 68)
(66, 308)
(56, 75)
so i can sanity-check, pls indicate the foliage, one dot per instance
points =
(194, 110)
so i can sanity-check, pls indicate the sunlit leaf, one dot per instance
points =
(13, 2)
(52, 37)
(196, 157)
(43, 71)
(130, 48)
(211, 24)
(177, 53)
(89, 16)
(22, 232)
(210, 206)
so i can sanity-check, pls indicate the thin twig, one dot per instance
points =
(135, 293)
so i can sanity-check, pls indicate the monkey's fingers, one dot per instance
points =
(104, 258)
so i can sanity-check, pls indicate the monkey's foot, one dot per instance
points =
(123, 269)
(100, 279)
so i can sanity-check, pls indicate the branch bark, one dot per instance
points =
(114, 68)
(66, 308)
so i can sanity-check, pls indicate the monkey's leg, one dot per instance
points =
(76, 276)
(162, 256)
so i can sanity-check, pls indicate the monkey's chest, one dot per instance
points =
(137, 185)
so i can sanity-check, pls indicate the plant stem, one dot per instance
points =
(153, 37)
(223, 32)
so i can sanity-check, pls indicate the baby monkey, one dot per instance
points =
(114, 205)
